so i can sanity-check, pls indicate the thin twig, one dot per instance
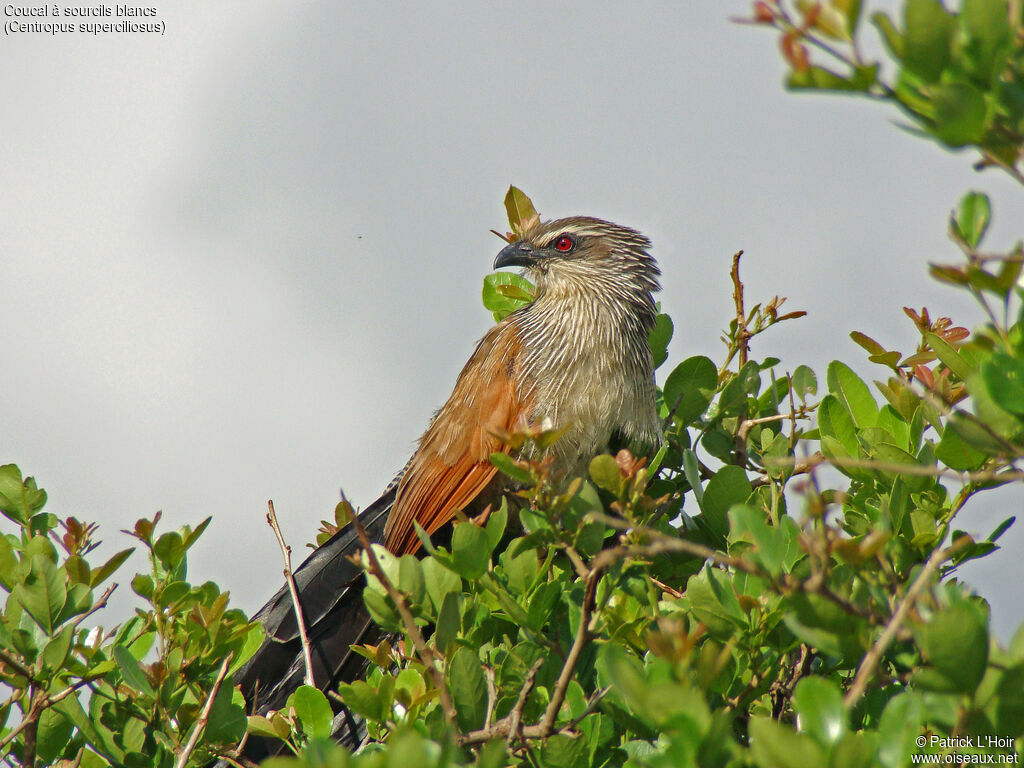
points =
(592, 702)
(16, 665)
(98, 605)
(797, 468)
(286, 551)
(874, 654)
(663, 543)
(749, 424)
(430, 661)
(31, 719)
(492, 695)
(742, 334)
(515, 717)
(204, 714)
(979, 476)
(781, 691)
(510, 726)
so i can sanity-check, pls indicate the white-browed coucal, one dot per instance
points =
(576, 358)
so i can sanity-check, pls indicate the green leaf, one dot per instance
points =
(505, 292)
(819, 703)
(949, 356)
(192, 535)
(927, 38)
(956, 644)
(729, 486)
(822, 79)
(227, 722)
(560, 751)
(1002, 528)
(439, 581)
(449, 622)
(313, 711)
(605, 473)
(19, 500)
(131, 671)
(821, 623)
(470, 553)
(71, 708)
(170, 549)
(993, 381)
(363, 699)
(495, 525)
(714, 602)
(56, 650)
(8, 563)
(971, 219)
(1004, 378)
(52, 735)
(890, 454)
(974, 434)
(468, 688)
(773, 744)
(254, 637)
(986, 26)
(410, 578)
(690, 388)
(539, 606)
(865, 341)
(508, 466)
(893, 39)
(692, 471)
(391, 567)
(659, 337)
(852, 392)
(960, 114)
(43, 593)
(521, 213)
(955, 453)
(901, 723)
(770, 543)
(746, 383)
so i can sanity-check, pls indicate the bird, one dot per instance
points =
(575, 359)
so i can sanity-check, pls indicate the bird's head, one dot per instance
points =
(583, 254)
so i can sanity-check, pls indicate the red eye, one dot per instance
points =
(564, 244)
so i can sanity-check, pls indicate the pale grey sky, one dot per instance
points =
(242, 260)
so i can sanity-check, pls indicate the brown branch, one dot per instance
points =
(286, 551)
(798, 467)
(874, 655)
(980, 476)
(663, 543)
(782, 691)
(742, 334)
(584, 634)
(430, 661)
(98, 605)
(595, 698)
(510, 726)
(204, 714)
(577, 562)
(28, 745)
(29, 724)
(16, 665)
(515, 717)
(492, 695)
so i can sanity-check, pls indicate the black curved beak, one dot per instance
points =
(517, 254)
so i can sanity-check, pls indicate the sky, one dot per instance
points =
(242, 259)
